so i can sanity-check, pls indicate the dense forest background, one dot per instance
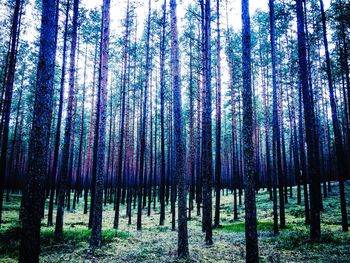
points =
(127, 125)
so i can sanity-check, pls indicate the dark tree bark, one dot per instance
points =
(71, 157)
(192, 147)
(304, 174)
(252, 253)
(110, 153)
(207, 162)
(198, 153)
(96, 233)
(218, 123)
(59, 121)
(233, 135)
(62, 186)
(150, 172)
(310, 128)
(33, 192)
(179, 145)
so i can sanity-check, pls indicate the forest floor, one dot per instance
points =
(158, 243)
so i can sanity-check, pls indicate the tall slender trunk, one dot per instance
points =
(59, 121)
(198, 153)
(252, 253)
(162, 133)
(71, 157)
(218, 122)
(207, 162)
(33, 192)
(8, 100)
(12, 176)
(62, 186)
(179, 145)
(310, 127)
(150, 172)
(143, 123)
(81, 140)
(96, 232)
(336, 129)
(90, 137)
(192, 147)
(121, 132)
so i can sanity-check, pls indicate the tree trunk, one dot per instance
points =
(62, 186)
(143, 124)
(310, 127)
(33, 192)
(162, 134)
(121, 133)
(59, 120)
(207, 162)
(252, 253)
(336, 129)
(179, 145)
(218, 122)
(81, 140)
(96, 233)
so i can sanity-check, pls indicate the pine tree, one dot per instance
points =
(207, 162)
(33, 192)
(310, 128)
(63, 182)
(5, 120)
(336, 128)
(218, 122)
(252, 253)
(178, 138)
(96, 232)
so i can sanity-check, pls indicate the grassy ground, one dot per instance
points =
(158, 243)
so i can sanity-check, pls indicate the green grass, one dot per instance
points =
(72, 238)
(159, 244)
(240, 227)
(9, 241)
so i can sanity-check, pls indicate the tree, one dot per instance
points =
(277, 162)
(336, 128)
(63, 182)
(218, 122)
(121, 134)
(162, 133)
(207, 162)
(143, 123)
(78, 188)
(178, 138)
(96, 233)
(8, 98)
(252, 253)
(59, 121)
(33, 192)
(310, 128)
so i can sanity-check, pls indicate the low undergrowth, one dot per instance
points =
(72, 238)
(159, 243)
(240, 227)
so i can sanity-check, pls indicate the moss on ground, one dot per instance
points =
(240, 227)
(72, 239)
(159, 244)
